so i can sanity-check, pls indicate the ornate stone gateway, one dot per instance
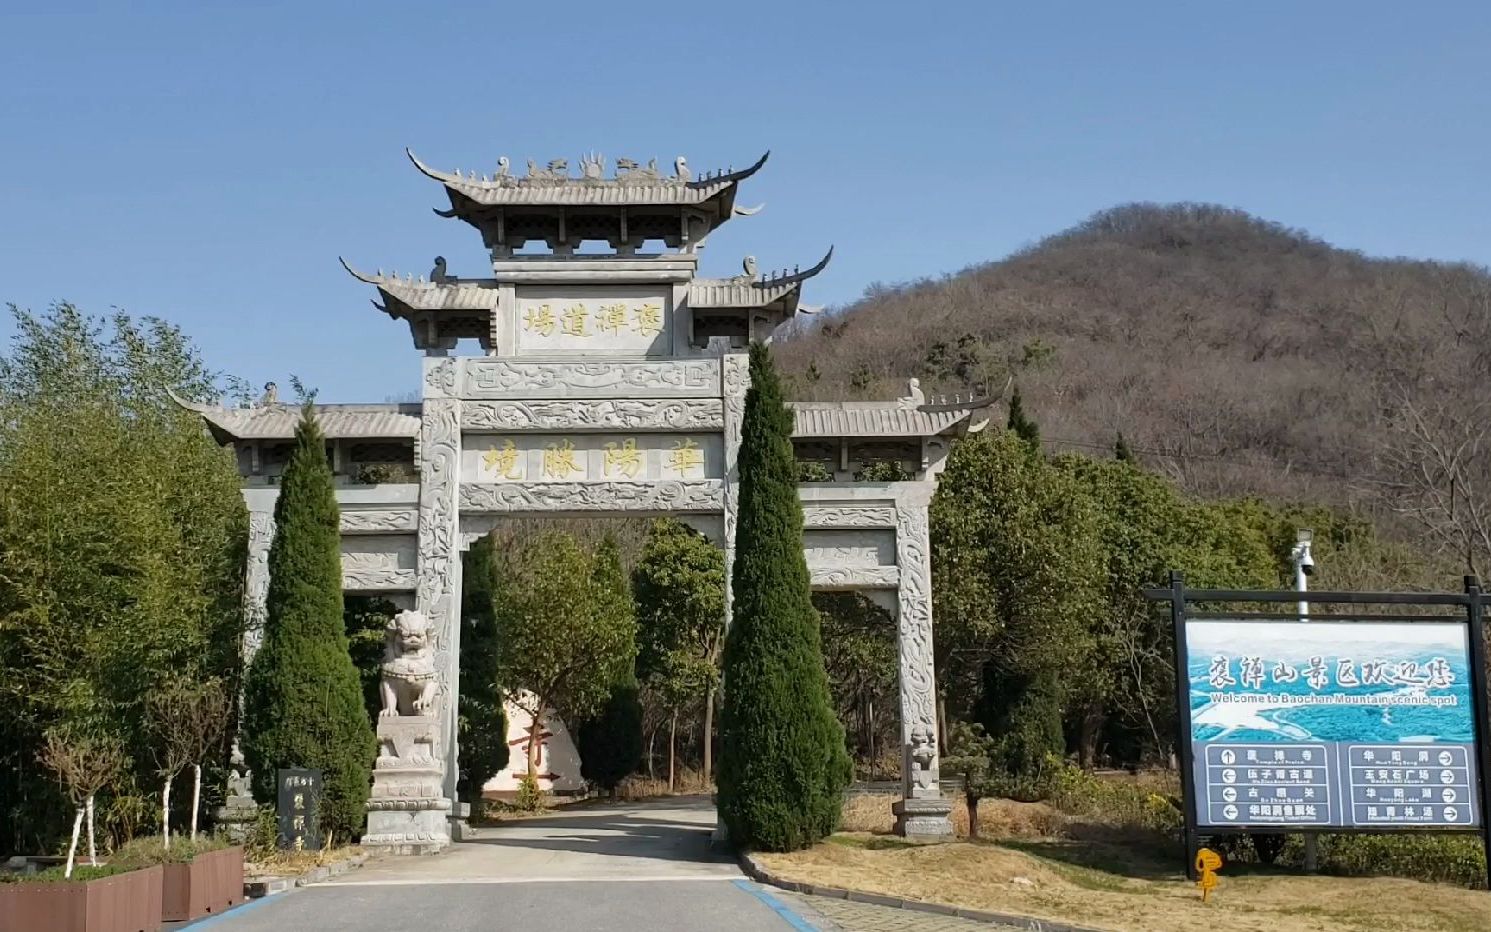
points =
(611, 382)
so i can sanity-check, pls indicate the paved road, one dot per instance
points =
(645, 866)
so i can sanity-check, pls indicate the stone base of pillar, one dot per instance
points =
(236, 817)
(408, 812)
(925, 821)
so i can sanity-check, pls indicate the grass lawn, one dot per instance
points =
(1040, 864)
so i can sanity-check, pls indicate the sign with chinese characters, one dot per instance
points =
(299, 809)
(1332, 723)
(592, 457)
(575, 320)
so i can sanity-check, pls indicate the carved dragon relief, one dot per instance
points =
(670, 495)
(851, 516)
(917, 673)
(493, 378)
(853, 577)
(256, 582)
(435, 592)
(379, 521)
(700, 414)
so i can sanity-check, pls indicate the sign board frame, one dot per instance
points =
(1383, 608)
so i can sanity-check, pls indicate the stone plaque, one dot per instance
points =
(561, 321)
(299, 809)
(591, 457)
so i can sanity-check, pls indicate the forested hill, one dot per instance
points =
(1234, 354)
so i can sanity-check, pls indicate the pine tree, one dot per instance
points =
(610, 742)
(482, 730)
(783, 765)
(303, 704)
(1019, 422)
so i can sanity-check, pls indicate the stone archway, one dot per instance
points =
(610, 385)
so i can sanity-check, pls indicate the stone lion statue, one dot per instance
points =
(409, 683)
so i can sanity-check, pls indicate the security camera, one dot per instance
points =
(1307, 563)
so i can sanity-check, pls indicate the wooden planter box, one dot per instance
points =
(209, 883)
(128, 902)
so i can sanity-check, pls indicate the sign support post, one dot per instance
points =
(1482, 703)
(1183, 716)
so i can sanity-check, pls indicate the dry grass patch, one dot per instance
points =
(285, 863)
(997, 818)
(1115, 887)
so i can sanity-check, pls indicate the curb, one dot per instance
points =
(268, 886)
(760, 874)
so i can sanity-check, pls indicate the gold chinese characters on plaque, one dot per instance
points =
(594, 458)
(591, 324)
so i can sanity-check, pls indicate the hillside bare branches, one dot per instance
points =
(1236, 356)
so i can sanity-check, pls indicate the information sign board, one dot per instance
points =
(1337, 723)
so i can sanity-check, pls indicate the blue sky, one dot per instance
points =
(207, 162)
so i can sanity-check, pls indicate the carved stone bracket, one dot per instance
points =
(854, 516)
(502, 378)
(665, 496)
(441, 376)
(625, 414)
(380, 522)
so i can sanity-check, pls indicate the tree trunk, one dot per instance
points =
(652, 754)
(972, 816)
(92, 849)
(165, 813)
(709, 735)
(196, 795)
(533, 742)
(941, 724)
(1088, 734)
(870, 715)
(72, 849)
(672, 744)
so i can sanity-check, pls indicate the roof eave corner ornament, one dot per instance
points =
(192, 406)
(718, 179)
(426, 170)
(737, 211)
(360, 276)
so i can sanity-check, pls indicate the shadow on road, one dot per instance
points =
(669, 830)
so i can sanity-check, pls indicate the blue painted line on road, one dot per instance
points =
(777, 906)
(223, 917)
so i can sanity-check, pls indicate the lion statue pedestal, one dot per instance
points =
(408, 812)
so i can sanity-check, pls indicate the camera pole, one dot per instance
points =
(1303, 564)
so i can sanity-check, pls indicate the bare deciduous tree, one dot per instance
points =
(84, 762)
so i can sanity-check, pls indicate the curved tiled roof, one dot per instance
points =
(277, 421)
(871, 419)
(546, 191)
(401, 421)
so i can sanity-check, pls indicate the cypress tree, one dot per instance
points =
(482, 730)
(610, 742)
(783, 765)
(303, 701)
(1019, 422)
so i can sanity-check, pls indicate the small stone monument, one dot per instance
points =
(237, 813)
(408, 810)
(299, 809)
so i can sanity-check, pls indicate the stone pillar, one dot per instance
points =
(256, 581)
(735, 380)
(417, 820)
(922, 813)
(735, 376)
